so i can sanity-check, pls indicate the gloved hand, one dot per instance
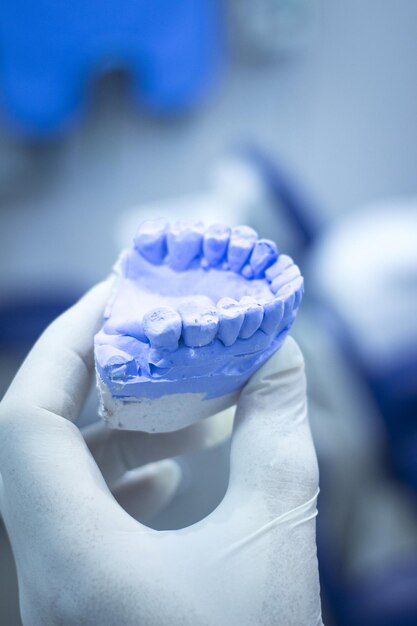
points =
(82, 559)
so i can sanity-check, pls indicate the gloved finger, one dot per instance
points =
(54, 495)
(53, 492)
(145, 491)
(273, 462)
(117, 451)
(56, 374)
(265, 525)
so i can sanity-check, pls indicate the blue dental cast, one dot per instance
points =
(188, 316)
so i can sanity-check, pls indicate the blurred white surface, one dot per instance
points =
(366, 268)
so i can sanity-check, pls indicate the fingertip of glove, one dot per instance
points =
(105, 286)
(168, 472)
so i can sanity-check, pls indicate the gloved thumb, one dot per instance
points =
(272, 457)
(267, 517)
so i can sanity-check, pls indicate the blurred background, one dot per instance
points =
(295, 116)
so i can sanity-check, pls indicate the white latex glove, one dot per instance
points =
(82, 559)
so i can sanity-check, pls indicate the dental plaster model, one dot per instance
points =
(195, 312)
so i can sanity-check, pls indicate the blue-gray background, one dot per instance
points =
(341, 112)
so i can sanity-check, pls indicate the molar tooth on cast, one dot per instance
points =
(150, 240)
(273, 314)
(291, 293)
(216, 240)
(263, 255)
(242, 240)
(185, 241)
(119, 364)
(200, 321)
(163, 326)
(254, 314)
(130, 327)
(298, 287)
(286, 276)
(279, 266)
(287, 295)
(231, 317)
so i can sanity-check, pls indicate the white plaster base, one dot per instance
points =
(164, 414)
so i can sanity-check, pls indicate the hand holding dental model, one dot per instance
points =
(82, 559)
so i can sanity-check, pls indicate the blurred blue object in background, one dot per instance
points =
(52, 50)
(24, 318)
(363, 290)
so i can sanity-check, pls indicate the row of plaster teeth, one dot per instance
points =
(237, 249)
(198, 322)
(285, 279)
